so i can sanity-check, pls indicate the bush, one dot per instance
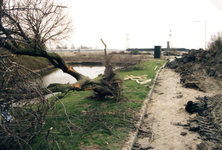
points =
(216, 42)
(135, 51)
(131, 62)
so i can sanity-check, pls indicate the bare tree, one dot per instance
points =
(33, 23)
(26, 26)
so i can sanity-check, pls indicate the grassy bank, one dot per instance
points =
(104, 124)
(31, 62)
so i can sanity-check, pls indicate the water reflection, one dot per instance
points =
(58, 76)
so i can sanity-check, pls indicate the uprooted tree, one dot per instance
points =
(26, 27)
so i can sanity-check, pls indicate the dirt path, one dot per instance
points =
(166, 108)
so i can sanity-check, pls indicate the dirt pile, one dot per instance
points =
(209, 119)
(197, 66)
(202, 70)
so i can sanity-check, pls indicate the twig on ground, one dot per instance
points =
(110, 129)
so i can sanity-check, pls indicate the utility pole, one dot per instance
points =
(170, 36)
(170, 43)
(127, 40)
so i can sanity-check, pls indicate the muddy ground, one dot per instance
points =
(186, 107)
(165, 110)
(202, 70)
(167, 125)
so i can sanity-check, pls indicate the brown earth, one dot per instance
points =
(186, 107)
(198, 67)
(202, 71)
(167, 125)
(165, 110)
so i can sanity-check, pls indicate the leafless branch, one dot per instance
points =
(104, 45)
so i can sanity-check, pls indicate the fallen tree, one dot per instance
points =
(26, 27)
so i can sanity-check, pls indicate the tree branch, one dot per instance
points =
(104, 45)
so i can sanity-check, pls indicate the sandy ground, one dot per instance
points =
(166, 108)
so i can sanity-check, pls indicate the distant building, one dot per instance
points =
(168, 45)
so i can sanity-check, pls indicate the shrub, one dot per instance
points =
(216, 42)
(135, 51)
(131, 62)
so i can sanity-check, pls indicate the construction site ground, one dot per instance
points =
(184, 112)
(162, 127)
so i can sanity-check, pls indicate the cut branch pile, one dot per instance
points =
(20, 120)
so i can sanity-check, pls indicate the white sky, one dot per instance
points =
(148, 22)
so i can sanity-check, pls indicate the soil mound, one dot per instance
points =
(202, 70)
(209, 112)
(197, 67)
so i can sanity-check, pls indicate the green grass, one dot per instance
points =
(113, 115)
(31, 62)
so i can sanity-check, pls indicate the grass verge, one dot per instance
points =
(104, 124)
(31, 62)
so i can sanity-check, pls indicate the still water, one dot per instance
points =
(58, 76)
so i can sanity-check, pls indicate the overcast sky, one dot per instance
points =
(148, 22)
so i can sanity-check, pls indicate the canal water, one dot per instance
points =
(58, 76)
